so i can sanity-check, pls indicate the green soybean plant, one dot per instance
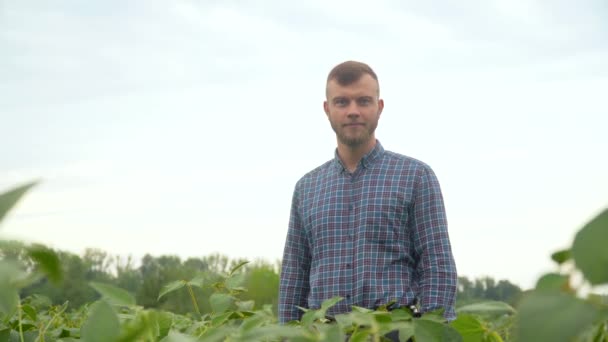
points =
(562, 307)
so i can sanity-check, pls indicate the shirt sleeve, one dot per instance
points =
(436, 266)
(295, 268)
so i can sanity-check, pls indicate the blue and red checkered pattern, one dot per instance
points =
(373, 236)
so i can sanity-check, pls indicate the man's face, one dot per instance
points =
(354, 110)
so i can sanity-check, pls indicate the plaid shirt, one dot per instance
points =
(376, 235)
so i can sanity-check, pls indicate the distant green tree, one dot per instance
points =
(74, 288)
(486, 288)
(14, 251)
(262, 282)
(508, 292)
(146, 281)
(127, 276)
(151, 283)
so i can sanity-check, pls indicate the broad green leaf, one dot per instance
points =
(406, 330)
(307, 338)
(599, 332)
(359, 336)
(271, 332)
(552, 316)
(175, 336)
(216, 334)
(9, 298)
(9, 295)
(234, 281)
(220, 302)
(133, 331)
(11, 197)
(344, 320)
(329, 303)
(252, 322)
(29, 311)
(235, 268)
(562, 256)
(332, 332)
(5, 333)
(433, 316)
(30, 336)
(488, 308)
(47, 261)
(135, 326)
(312, 315)
(382, 317)
(553, 282)
(469, 327)
(165, 320)
(401, 314)
(220, 319)
(245, 305)
(172, 286)
(361, 309)
(589, 249)
(430, 331)
(27, 325)
(13, 274)
(362, 319)
(102, 325)
(493, 336)
(308, 318)
(197, 281)
(113, 294)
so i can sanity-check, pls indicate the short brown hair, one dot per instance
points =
(349, 72)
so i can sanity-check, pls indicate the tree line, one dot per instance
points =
(146, 279)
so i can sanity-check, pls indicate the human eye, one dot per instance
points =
(364, 101)
(341, 101)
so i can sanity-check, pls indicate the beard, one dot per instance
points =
(357, 138)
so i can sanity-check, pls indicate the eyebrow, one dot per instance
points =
(340, 97)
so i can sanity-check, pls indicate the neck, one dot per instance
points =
(351, 155)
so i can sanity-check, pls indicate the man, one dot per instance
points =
(368, 225)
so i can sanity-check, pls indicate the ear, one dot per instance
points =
(326, 108)
(380, 106)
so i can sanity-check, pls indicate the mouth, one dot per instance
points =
(354, 124)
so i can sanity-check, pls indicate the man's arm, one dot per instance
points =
(295, 268)
(436, 266)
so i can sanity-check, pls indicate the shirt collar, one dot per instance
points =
(367, 159)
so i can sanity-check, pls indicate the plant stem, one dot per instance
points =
(193, 299)
(51, 322)
(19, 314)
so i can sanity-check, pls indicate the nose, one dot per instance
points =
(353, 109)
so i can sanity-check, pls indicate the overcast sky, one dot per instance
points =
(181, 127)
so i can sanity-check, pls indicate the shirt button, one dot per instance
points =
(349, 265)
(348, 296)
